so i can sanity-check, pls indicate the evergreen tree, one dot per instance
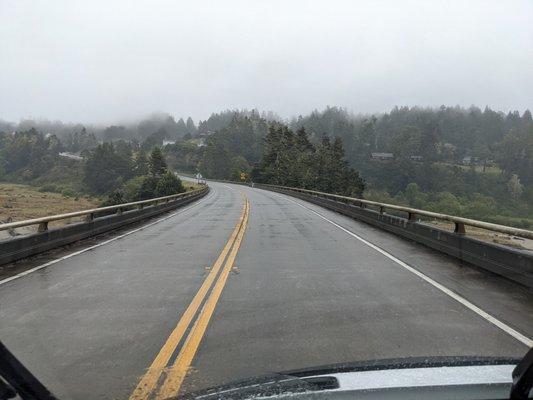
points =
(292, 160)
(157, 163)
(168, 184)
(191, 128)
(216, 160)
(105, 170)
(140, 163)
(181, 128)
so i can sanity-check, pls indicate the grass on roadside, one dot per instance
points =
(21, 202)
(489, 236)
(189, 186)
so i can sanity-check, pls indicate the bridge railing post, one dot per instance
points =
(459, 228)
(43, 227)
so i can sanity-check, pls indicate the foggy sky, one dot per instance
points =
(103, 61)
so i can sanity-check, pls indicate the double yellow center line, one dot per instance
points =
(172, 376)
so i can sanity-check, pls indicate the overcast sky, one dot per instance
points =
(103, 61)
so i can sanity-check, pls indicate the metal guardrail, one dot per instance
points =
(413, 213)
(90, 214)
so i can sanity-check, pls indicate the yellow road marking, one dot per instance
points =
(149, 380)
(176, 374)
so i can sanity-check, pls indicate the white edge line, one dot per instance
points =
(503, 326)
(29, 271)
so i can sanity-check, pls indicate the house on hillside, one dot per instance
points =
(382, 156)
(469, 160)
(72, 156)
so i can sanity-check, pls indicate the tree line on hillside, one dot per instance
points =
(29, 152)
(34, 158)
(290, 159)
(79, 140)
(447, 159)
(470, 162)
(442, 134)
(126, 174)
(221, 120)
(123, 171)
(270, 152)
(159, 126)
(428, 147)
(234, 148)
(173, 129)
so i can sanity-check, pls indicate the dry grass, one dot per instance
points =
(489, 236)
(21, 202)
(189, 185)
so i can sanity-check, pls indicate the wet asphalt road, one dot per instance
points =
(302, 293)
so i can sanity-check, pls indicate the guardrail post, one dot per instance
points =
(140, 206)
(412, 217)
(119, 211)
(43, 227)
(89, 217)
(381, 210)
(459, 228)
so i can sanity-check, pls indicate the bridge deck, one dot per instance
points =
(302, 292)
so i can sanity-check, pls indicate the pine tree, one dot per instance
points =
(191, 128)
(140, 164)
(157, 163)
(168, 184)
(181, 128)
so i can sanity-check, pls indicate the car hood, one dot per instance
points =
(449, 377)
